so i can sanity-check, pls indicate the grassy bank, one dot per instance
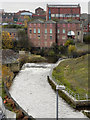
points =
(73, 73)
(31, 59)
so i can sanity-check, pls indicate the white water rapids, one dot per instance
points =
(33, 93)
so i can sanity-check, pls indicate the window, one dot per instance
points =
(50, 25)
(78, 33)
(77, 15)
(34, 36)
(30, 31)
(38, 36)
(68, 25)
(30, 24)
(61, 15)
(34, 24)
(58, 31)
(34, 30)
(52, 15)
(50, 43)
(45, 37)
(45, 43)
(38, 25)
(57, 15)
(63, 30)
(38, 30)
(50, 36)
(58, 37)
(10, 33)
(50, 31)
(64, 37)
(45, 25)
(63, 25)
(58, 25)
(45, 30)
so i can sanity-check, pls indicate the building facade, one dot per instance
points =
(63, 12)
(39, 11)
(44, 34)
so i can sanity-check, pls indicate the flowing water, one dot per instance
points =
(33, 93)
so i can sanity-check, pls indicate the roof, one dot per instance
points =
(63, 5)
(71, 21)
(26, 13)
(62, 21)
(37, 21)
(50, 21)
(9, 56)
(39, 8)
(74, 21)
(14, 30)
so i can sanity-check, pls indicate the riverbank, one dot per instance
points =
(71, 98)
(73, 73)
(35, 93)
(8, 77)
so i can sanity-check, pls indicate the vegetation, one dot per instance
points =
(6, 40)
(7, 76)
(73, 73)
(22, 43)
(86, 39)
(12, 26)
(31, 59)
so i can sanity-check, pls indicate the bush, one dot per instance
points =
(86, 39)
(69, 42)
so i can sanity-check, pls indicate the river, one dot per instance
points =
(33, 93)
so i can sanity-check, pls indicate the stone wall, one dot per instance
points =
(83, 104)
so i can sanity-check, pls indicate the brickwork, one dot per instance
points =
(63, 12)
(51, 32)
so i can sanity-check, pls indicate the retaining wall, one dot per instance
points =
(82, 104)
(17, 105)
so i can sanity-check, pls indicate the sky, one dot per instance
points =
(16, 5)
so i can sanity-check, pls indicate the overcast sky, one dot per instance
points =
(16, 5)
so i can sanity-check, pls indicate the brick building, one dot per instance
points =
(39, 14)
(63, 12)
(39, 11)
(44, 34)
(7, 17)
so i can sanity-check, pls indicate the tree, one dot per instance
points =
(69, 42)
(71, 49)
(23, 43)
(26, 20)
(86, 39)
(7, 42)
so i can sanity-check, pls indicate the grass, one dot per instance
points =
(82, 46)
(73, 73)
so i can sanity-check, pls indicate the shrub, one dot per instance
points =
(86, 39)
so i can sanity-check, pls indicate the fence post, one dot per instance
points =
(78, 97)
(75, 96)
(86, 97)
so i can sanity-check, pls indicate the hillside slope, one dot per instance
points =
(73, 73)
